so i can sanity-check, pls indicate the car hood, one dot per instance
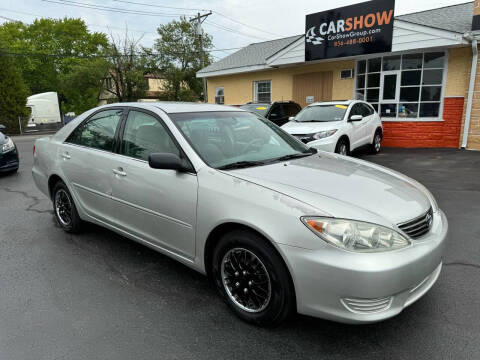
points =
(293, 127)
(343, 187)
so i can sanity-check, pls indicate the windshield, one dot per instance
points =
(237, 139)
(320, 113)
(260, 109)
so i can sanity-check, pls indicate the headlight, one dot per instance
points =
(8, 146)
(324, 134)
(355, 235)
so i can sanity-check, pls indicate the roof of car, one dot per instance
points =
(171, 107)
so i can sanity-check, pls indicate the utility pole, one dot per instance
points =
(199, 19)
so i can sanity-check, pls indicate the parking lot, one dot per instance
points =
(98, 295)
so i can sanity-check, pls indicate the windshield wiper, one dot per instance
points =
(294, 156)
(240, 164)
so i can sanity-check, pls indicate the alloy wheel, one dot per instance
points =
(246, 280)
(377, 142)
(63, 207)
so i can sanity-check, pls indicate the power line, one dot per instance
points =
(158, 6)
(222, 27)
(110, 9)
(28, 53)
(146, 13)
(214, 11)
(6, 18)
(247, 25)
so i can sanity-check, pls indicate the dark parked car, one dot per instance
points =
(8, 153)
(277, 112)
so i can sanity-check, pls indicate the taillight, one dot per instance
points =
(33, 149)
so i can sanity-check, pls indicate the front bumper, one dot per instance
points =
(360, 287)
(9, 161)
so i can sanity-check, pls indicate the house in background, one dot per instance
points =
(422, 89)
(156, 85)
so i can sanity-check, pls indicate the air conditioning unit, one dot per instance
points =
(346, 74)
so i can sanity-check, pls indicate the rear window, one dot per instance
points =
(260, 109)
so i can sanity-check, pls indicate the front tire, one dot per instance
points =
(65, 210)
(252, 278)
(342, 147)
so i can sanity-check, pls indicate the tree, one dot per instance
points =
(13, 94)
(87, 75)
(178, 57)
(127, 69)
(48, 51)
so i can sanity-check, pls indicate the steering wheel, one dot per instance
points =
(251, 143)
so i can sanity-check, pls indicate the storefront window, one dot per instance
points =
(262, 91)
(402, 86)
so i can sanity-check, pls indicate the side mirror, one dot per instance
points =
(2, 127)
(166, 161)
(356, 118)
(291, 118)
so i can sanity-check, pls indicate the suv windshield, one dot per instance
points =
(320, 113)
(237, 139)
(260, 109)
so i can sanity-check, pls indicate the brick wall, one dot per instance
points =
(419, 134)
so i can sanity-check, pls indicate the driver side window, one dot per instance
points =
(356, 110)
(144, 135)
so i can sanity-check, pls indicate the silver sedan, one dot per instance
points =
(278, 227)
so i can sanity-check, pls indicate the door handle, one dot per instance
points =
(119, 172)
(66, 156)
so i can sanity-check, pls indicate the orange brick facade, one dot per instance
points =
(428, 134)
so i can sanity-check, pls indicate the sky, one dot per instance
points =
(233, 24)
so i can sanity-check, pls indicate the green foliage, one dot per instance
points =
(179, 59)
(82, 85)
(127, 69)
(50, 51)
(13, 95)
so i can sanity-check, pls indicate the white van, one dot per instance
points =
(44, 109)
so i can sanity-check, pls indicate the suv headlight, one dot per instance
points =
(355, 235)
(8, 146)
(324, 134)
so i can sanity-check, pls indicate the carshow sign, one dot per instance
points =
(358, 29)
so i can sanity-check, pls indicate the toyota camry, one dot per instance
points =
(278, 226)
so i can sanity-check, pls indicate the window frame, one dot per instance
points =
(121, 131)
(255, 90)
(89, 118)
(223, 96)
(438, 118)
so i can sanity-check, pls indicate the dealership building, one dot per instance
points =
(418, 70)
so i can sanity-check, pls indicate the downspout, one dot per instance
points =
(471, 87)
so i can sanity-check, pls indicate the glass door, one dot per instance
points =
(390, 92)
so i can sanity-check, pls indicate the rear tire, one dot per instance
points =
(252, 278)
(342, 147)
(376, 144)
(65, 210)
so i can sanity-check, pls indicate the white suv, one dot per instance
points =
(337, 126)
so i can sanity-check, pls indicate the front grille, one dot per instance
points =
(419, 226)
(305, 138)
(367, 306)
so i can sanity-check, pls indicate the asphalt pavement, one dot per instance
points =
(98, 295)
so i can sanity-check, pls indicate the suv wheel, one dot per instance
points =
(342, 147)
(377, 142)
(252, 278)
